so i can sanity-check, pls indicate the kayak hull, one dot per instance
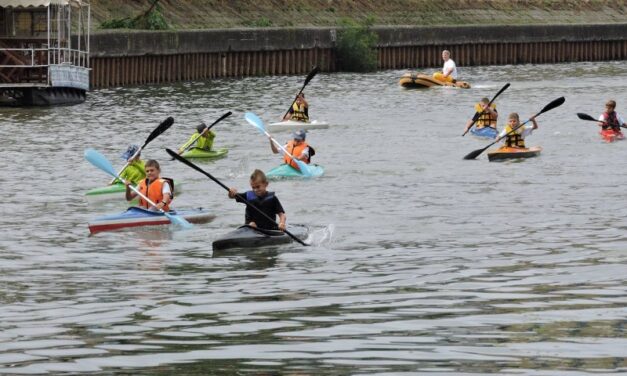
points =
(286, 171)
(250, 237)
(610, 135)
(201, 153)
(292, 125)
(506, 152)
(485, 132)
(422, 81)
(138, 217)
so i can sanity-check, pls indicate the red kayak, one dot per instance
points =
(610, 135)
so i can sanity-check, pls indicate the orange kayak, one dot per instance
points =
(507, 152)
(419, 80)
(610, 135)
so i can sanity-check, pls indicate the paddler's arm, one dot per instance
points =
(129, 193)
(273, 147)
(282, 219)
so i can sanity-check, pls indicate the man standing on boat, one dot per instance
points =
(449, 70)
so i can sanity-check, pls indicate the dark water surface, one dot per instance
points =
(422, 262)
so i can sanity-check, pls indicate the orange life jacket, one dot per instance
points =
(296, 151)
(154, 191)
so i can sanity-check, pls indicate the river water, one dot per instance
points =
(421, 262)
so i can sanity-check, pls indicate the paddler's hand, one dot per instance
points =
(282, 226)
(232, 192)
(253, 224)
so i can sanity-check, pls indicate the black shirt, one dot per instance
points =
(268, 204)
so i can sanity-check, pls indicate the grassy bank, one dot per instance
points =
(208, 14)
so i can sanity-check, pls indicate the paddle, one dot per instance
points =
(478, 114)
(226, 115)
(311, 75)
(103, 163)
(167, 123)
(583, 116)
(190, 164)
(258, 123)
(555, 103)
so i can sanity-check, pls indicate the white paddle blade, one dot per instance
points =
(100, 161)
(255, 121)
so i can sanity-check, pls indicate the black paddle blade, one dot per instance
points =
(311, 74)
(221, 118)
(583, 116)
(555, 103)
(475, 153)
(167, 123)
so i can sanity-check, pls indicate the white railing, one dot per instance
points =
(27, 52)
(48, 56)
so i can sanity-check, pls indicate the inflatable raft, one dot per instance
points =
(419, 80)
(610, 135)
(286, 171)
(135, 217)
(251, 237)
(293, 125)
(485, 132)
(206, 154)
(507, 152)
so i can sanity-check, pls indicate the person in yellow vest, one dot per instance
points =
(157, 189)
(203, 139)
(488, 116)
(298, 148)
(299, 110)
(516, 139)
(449, 70)
(134, 172)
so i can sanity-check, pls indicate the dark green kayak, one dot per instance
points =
(251, 237)
(202, 153)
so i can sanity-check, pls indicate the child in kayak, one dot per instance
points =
(134, 172)
(202, 139)
(263, 200)
(157, 189)
(298, 148)
(516, 139)
(299, 110)
(610, 118)
(488, 115)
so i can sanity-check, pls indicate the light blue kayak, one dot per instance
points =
(286, 171)
(485, 132)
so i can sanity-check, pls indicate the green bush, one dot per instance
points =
(355, 46)
(153, 19)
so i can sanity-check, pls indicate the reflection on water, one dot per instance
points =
(421, 262)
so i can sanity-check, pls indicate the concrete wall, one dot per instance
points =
(141, 57)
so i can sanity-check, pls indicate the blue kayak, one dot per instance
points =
(286, 171)
(135, 216)
(485, 132)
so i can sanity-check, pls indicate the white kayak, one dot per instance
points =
(292, 125)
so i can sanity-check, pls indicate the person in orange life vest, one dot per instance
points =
(488, 117)
(298, 148)
(263, 200)
(516, 139)
(610, 118)
(299, 110)
(156, 188)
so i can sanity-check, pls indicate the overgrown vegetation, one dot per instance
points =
(261, 22)
(355, 46)
(152, 19)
